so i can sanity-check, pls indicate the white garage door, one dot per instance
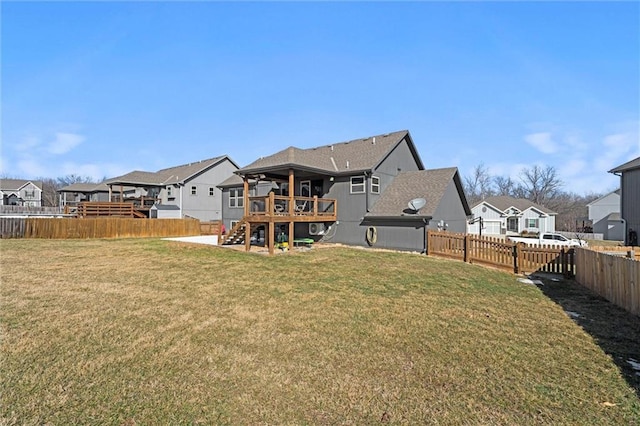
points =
(491, 228)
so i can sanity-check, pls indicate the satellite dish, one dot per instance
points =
(417, 203)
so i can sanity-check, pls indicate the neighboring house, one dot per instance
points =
(18, 192)
(354, 192)
(604, 213)
(191, 188)
(629, 173)
(75, 193)
(504, 215)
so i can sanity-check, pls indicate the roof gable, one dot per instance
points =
(337, 158)
(170, 175)
(503, 203)
(428, 184)
(17, 184)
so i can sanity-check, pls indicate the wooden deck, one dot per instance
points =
(274, 209)
(277, 208)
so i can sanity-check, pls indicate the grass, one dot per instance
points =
(157, 332)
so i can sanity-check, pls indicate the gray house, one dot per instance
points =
(75, 193)
(19, 192)
(191, 189)
(629, 173)
(354, 192)
(604, 213)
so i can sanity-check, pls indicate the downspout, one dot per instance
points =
(180, 203)
(424, 236)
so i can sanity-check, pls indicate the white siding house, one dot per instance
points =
(20, 192)
(510, 216)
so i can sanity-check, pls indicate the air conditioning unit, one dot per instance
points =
(316, 228)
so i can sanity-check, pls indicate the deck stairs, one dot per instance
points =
(236, 234)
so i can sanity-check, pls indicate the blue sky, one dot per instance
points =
(104, 88)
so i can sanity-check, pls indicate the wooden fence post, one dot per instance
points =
(518, 258)
(428, 242)
(465, 248)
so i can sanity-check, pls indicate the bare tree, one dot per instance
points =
(504, 186)
(540, 184)
(50, 192)
(478, 185)
(73, 178)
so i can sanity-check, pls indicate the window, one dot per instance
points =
(194, 190)
(512, 224)
(236, 198)
(233, 224)
(532, 223)
(169, 191)
(211, 191)
(375, 185)
(30, 194)
(357, 185)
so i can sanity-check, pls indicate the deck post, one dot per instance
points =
(245, 194)
(247, 236)
(271, 237)
(292, 193)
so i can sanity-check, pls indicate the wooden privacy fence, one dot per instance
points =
(97, 227)
(516, 258)
(616, 278)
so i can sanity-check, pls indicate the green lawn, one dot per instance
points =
(156, 332)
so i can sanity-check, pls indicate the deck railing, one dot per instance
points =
(279, 205)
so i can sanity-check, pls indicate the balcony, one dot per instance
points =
(279, 208)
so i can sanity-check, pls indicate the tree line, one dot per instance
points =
(539, 184)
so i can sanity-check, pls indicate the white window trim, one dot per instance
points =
(239, 199)
(364, 185)
(212, 191)
(377, 185)
(194, 190)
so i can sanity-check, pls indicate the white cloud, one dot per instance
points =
(542, 142)
(64, 142)
(27, 144)
(617, 149)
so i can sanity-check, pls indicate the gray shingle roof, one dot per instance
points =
(171, 175)
(427, 184)
(503, 202)
(85, 187)
(343, 157)
(16, 184)
(629, 165)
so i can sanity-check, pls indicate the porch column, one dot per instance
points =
(245, 195)
(110, 193)
(292, 207)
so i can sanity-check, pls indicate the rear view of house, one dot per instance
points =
(188, 190)
(355, 192)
